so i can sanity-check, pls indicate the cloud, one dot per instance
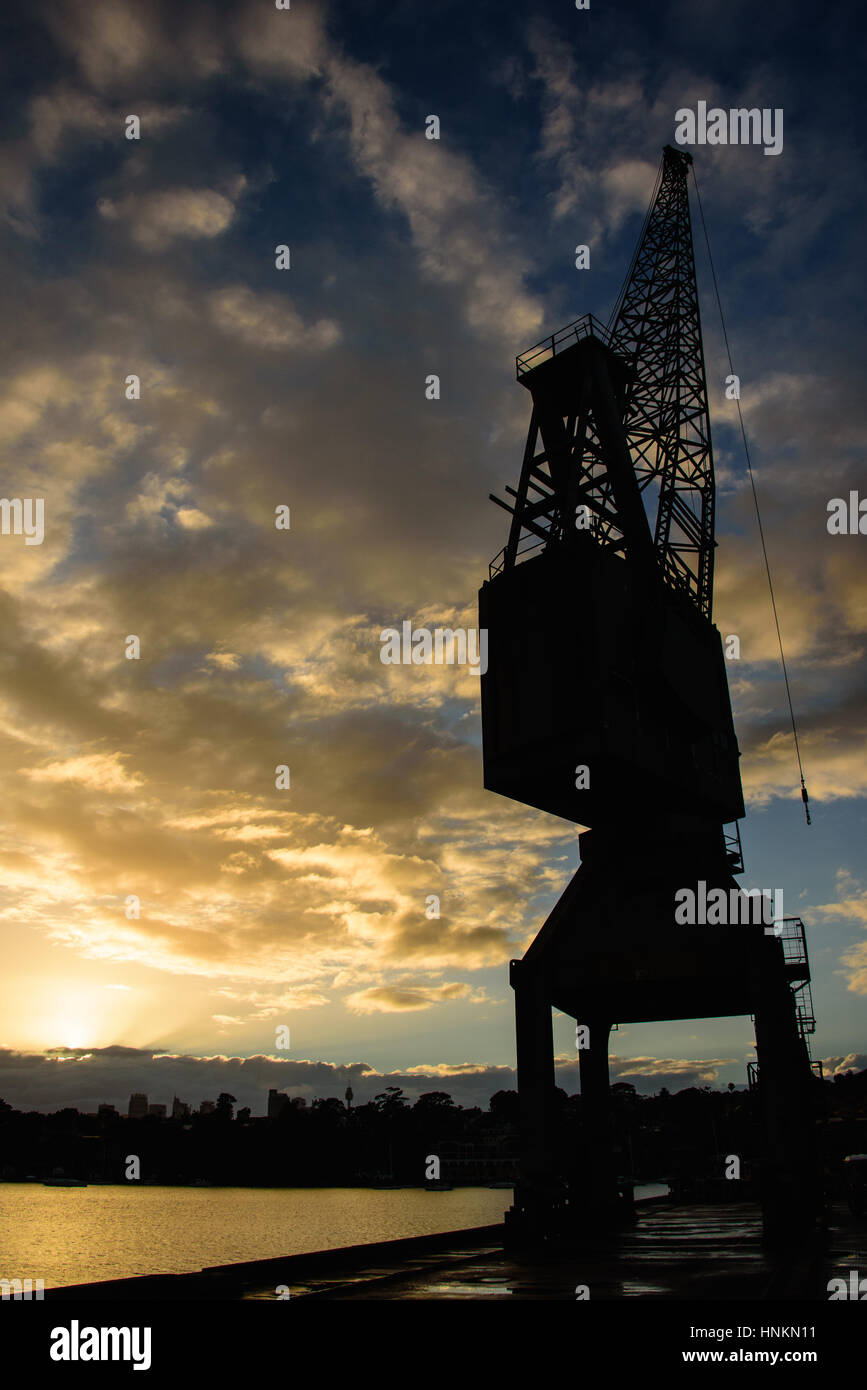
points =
(837, 1066)
(103, 772)
(49, 1081)
(854, 962)
(690, 1072)
(851, 906)
(452, 217)
(277, 44)
(259, 321)
(156, 219)
(391, 999)
(114, 48)
(466, 1069)
(226, 661)
(191, 519)
(63, 112)
(582, 128)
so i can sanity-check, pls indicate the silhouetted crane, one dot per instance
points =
(606, 702)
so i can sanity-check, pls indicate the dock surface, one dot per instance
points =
(695, 1252)
(690, 1252)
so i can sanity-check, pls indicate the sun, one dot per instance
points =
(73, 1033)
(71, 1014)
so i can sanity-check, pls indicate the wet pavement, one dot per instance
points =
(697, 1252)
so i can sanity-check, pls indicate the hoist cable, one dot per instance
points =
(804, 796)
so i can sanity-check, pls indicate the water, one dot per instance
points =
(644, 1191)
(78, 1234)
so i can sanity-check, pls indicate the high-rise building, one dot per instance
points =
(157, 1111)
(138, 1105)
(277, 1102)
(207, 1107)
(180, 1109)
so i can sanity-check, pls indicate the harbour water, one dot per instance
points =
(78, 1235)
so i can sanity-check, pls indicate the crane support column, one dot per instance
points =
(535, 1056)
(597, 1175)
(789, 1180)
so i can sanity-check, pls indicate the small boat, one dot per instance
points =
(63, 1182)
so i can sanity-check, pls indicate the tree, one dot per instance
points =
(433, 1103)
(390, 1101)
(503, 1106)
(225, 1102)
(331, 1107)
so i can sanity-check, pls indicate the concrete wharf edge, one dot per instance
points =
(361, 1269)
(226, 1281)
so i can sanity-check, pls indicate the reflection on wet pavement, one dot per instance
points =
(690, 1252)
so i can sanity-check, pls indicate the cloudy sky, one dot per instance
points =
(263, 388)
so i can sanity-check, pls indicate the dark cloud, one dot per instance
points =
(109, 1075)
(854, 1061)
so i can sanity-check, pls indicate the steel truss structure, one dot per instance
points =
(655, 330)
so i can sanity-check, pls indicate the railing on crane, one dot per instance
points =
(734, 849)
(793, 940)
(498, 563)
(587, 326)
